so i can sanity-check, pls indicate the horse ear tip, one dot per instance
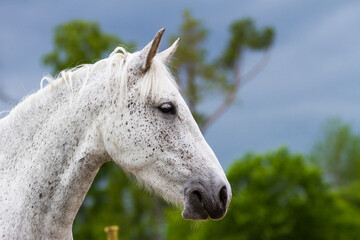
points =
(161, 31)
(176, 43)
(159, 34)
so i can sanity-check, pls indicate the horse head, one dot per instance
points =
(154, 136)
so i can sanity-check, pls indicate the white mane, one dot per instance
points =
(68, 76)
(111, 70)
(152, 80)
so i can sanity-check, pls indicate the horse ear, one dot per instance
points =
(149, 52)
(166, 55)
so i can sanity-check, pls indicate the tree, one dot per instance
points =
(200, 77)
(277, 195)
(78, 42)
(338, 153)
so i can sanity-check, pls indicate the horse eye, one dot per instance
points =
(167, 108)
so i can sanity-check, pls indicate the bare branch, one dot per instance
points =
(238, 82)
(256, 69)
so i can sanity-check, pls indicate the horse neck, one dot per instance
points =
(52, 152)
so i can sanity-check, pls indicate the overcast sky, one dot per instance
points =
(313, 73)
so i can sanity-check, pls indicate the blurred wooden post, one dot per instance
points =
(112, 232)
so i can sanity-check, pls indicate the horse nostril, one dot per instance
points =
(197, 194)
(223, 195)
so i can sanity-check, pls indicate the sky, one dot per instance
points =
(313, 73)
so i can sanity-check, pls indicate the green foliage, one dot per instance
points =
(351, 193)
(338, 153)
(115, 199)
(78, 42)
(276, 196)
(245, 35)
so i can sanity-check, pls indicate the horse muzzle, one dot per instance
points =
(204, 201)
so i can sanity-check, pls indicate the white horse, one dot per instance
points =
(125, 108)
